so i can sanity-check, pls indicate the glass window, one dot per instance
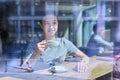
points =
(26, 30)
(12, 6)
(13, 30)
(25, 7)
(39, 7)
(111, 9)
(111, 27)
(76, 19)
(90, 12)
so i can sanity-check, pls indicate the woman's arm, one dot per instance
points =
(84, 57)
(41, 46)
(82, 66)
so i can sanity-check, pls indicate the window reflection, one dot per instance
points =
(90, 12)
(13, 29)
(13, 4)
(25, 30)
(25, 7)
(39, 7)
(76, 18)
(111, 9)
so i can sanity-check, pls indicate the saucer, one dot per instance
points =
(58, 69)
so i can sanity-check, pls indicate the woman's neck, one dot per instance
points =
(50, 38)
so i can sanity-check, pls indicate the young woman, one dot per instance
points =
(52, 48)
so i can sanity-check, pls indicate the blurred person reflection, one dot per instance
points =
(97, 43)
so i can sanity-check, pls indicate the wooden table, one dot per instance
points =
(9, 78)
(97, 68)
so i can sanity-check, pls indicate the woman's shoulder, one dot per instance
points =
(62, 38)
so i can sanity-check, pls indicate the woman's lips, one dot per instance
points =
(51, 30)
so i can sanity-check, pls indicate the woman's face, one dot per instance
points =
(50, 25)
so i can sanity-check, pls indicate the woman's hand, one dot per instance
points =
(82, 66)
(41, 46)
(26, 67)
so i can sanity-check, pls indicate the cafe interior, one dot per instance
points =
(20, 24)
